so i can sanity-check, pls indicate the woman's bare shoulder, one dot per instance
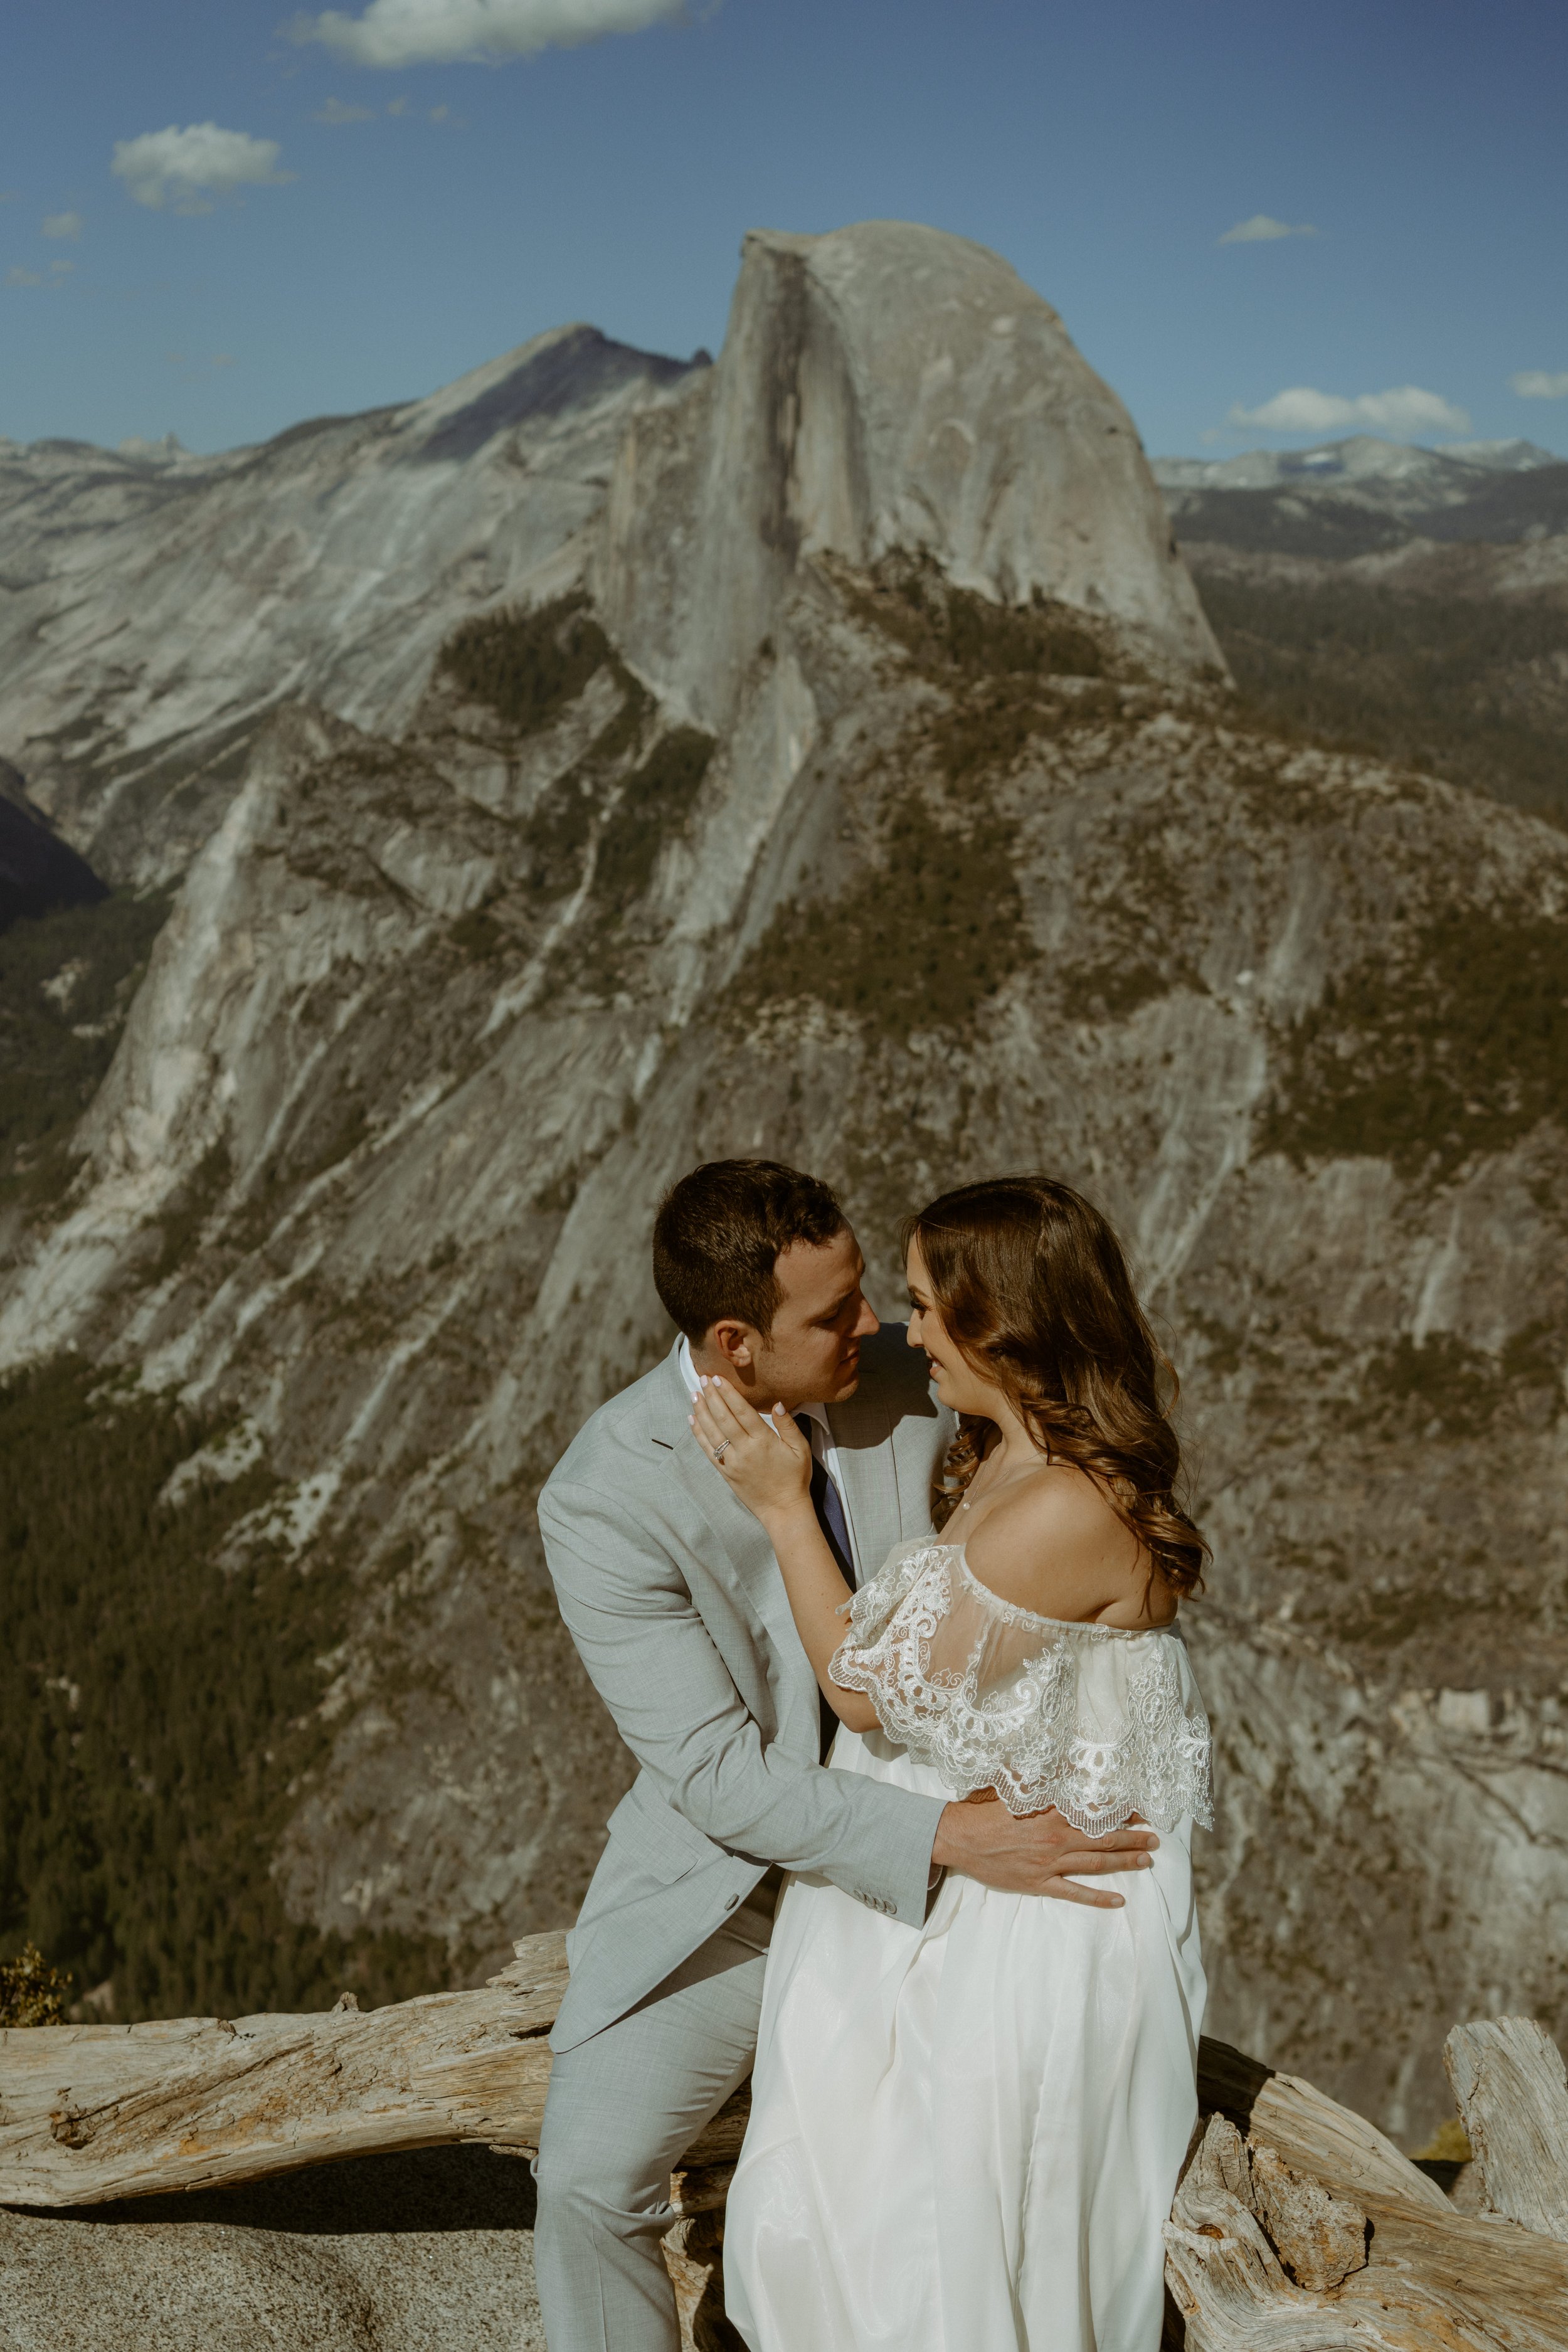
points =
(1058, 1545)
(1060, 1503)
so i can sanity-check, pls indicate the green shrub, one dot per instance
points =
(1454, 1045)
(54, 1049)
(477, 935)
(655, 806)
(31, 1992)
(946, 629)
(527, 667)
(557, 834)
(1439, 1382)
(918, 941)
(1470, 689)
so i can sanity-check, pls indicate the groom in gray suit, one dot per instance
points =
(671, 1593)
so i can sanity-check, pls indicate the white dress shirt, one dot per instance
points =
(823, 1448)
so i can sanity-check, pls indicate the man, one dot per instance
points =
(672, 1595)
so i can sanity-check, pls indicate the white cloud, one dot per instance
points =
(60, 267)
(444, 32)
(69, 224)
(334, 110)
(196, 365)
(1262, 230)
(185, 169)
(17, 276)
(1534, 383)
(1405, 409)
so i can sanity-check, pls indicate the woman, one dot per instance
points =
(965, 2138)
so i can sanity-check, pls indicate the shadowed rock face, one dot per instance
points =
(922, 885)
(38, 870)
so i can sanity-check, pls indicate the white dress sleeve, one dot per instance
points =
(1100, 1721)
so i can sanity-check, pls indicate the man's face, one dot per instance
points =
(812, 1355)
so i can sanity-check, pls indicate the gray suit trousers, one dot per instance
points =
(624, 2108)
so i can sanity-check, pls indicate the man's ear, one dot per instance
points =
(736, 1343)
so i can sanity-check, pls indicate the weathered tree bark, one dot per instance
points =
(94, 2112)
(1297, 2227)
(1314, 2234)
(1512, 2090)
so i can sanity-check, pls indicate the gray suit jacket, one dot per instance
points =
(670, 1591)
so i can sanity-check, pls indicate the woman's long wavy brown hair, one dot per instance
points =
(1031, 1282)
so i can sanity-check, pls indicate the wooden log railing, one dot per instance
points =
(1297, 2227)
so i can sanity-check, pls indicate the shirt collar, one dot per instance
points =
(817, 1412)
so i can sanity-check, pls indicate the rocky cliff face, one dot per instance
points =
(869, 793)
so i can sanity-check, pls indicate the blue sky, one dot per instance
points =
(361, 232)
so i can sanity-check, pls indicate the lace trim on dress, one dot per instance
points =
(1100, 1721)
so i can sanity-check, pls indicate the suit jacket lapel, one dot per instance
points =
(748, 1556)
(862, 1431)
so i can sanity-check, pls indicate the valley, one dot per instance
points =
(1410, 603)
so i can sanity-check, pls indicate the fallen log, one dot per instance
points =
(94, 2112)
(1298, 2226)
(89, 2113)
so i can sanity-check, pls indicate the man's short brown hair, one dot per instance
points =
(719, 1235)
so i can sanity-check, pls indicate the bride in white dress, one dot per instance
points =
(965, 2138)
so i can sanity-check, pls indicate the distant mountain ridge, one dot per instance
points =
(1362, 459)
(1367, 497)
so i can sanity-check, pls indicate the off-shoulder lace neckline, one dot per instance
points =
(1013, 1614)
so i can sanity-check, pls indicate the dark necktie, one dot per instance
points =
(827, 1503)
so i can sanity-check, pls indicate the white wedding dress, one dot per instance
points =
(965, 2136)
